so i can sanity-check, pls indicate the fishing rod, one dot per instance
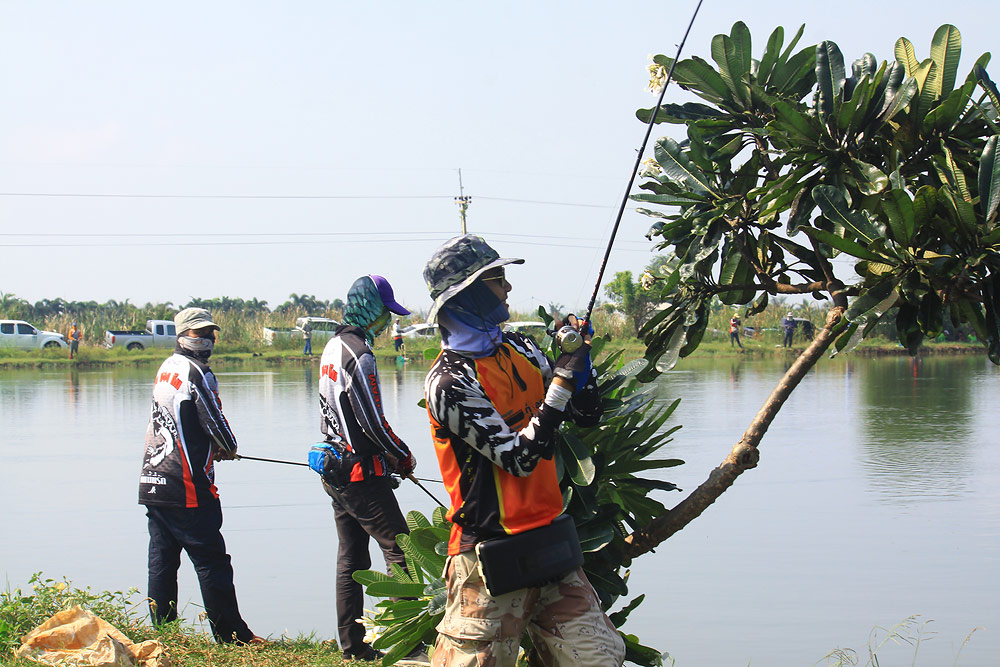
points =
(241, 457)
(638, 161)
(416, 480)
(424, 489)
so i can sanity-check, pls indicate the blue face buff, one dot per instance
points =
(470, 321)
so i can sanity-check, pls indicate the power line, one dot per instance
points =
(171, 234)
(107, 195)
(118, 195)
(143, 244)
(547, 203)
(433, 234)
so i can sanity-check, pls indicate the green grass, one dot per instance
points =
(192, 646)
(188, 645)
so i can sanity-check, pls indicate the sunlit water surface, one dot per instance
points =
(876, 499)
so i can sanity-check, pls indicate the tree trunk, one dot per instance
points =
(744, 454)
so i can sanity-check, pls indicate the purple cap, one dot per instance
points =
(385, 293)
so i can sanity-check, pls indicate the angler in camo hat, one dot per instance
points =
(359, 453)
(456, 265)
(495, 402)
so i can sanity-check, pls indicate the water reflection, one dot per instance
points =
(73, 386)
(918, 423)
(900, 457)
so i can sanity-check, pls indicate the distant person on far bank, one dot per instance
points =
(307, 335)
(397, 335)
(734, 331)
(187, 433)
(74, 335)
(788, 323)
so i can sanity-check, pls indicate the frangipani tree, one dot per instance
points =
(788, 162)
(794, 159)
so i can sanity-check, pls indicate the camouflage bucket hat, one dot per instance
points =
(456, 265)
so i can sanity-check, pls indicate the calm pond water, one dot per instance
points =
(876, 499)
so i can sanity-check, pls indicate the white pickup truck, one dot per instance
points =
(158, 333)
(322, 330)
(18, 333)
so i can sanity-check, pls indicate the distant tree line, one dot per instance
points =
(14, 307)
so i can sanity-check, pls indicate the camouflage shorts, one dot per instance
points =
(564, 620)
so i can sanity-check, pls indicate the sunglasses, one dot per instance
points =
(498, 276)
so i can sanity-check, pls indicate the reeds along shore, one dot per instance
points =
(241, 337)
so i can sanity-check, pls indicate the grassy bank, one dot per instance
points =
(191, 646)
(188, 646)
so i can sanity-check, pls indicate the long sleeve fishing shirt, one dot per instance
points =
(350, 398)
(186, 426)
(494, 438)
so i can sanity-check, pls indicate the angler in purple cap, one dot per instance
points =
(359, 453)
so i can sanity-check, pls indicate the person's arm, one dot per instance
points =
(206, 397)
(366, 400)
(459, 403)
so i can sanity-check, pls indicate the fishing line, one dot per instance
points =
(638, 161)
(412, 478)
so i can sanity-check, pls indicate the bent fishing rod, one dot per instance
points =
(412, 478)
(638, 162)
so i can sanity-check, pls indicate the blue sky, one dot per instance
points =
(254, 149)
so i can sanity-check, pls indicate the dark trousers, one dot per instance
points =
(789, 333)
(735, 336)
(198, 532)
(362, 510)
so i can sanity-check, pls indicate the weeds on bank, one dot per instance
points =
(911, 631)
(22, 611)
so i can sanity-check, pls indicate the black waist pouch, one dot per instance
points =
(532, 558)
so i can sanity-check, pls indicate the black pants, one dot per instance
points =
(362, 510)
(198, 532)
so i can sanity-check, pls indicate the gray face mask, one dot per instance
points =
(199, 347)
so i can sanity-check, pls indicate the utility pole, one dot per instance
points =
(462, 201)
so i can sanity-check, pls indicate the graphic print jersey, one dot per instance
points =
(350, 399)
(186, 424)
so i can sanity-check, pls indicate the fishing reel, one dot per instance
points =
(568, 339)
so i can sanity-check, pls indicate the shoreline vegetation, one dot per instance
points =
(242, 341)
(191, 645)
(90, 357)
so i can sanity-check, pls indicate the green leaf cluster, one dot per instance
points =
(408, 622)
(796, 158)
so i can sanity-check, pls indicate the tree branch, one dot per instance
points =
(773, 287)
(744, 454)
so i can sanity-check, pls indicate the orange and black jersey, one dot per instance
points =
(494, 439)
